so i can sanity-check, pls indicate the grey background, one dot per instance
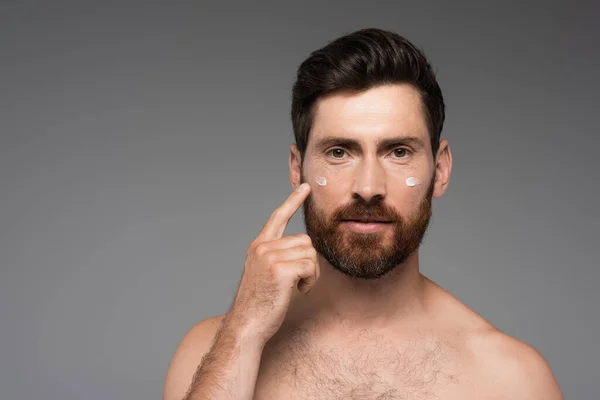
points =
(143, 145)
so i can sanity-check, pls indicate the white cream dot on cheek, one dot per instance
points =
(412, 181)
(321, 181)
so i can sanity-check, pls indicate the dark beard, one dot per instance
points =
(366, 255)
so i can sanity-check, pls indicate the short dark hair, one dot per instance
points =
(359, 61)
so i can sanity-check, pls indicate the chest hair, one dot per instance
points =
(365, 365)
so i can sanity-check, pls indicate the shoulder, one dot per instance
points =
(498, 362)
(508, 365)
(194, 345)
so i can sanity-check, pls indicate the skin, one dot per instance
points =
(452, 352)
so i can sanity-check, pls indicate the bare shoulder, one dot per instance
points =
(194, 345)
(510, 366)
(499, 363)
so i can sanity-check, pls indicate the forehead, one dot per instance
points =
(383, 111)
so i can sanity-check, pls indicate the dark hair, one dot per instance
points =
(359, 61)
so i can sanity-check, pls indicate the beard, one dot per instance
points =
(366, 255)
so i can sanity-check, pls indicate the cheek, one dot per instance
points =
(328, 178)
(329, 186)
(321, 180)
(406, 177)
(407, 186)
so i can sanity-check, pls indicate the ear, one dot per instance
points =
(443, 168)
(295, 161)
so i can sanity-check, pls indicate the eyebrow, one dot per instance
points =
(382, 144)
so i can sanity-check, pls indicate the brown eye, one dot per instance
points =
(337, 152)
(401, 152)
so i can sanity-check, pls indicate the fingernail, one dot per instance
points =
(303, 188)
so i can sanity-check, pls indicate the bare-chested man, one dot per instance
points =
(343, 311)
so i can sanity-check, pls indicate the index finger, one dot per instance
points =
(280, 218)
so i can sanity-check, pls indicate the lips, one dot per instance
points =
(365, 225)
(367, 220)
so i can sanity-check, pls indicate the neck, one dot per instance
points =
(400, 294)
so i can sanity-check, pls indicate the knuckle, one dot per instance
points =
(261, 249)
(252, 247)
(306, 264)
(305, 238)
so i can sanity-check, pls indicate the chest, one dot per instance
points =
(365, 367)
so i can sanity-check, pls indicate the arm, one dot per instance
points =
(275, 267)
(215, 360)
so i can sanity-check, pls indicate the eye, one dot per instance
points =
(337, 153)
(401, 152)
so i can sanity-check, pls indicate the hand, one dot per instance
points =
(273, 269)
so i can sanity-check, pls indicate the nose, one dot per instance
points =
(369, 180)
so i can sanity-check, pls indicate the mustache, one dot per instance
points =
(360, 210)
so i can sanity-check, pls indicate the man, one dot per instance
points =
(343, 311)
